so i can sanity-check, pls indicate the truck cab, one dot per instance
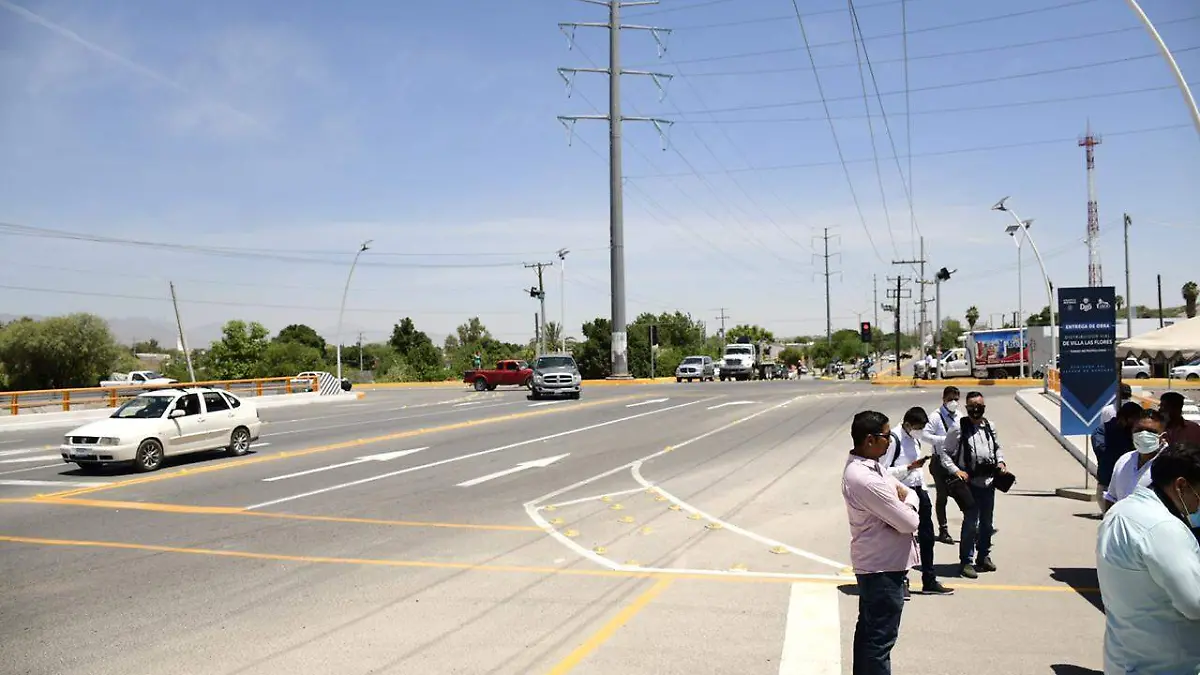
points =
(739, 361)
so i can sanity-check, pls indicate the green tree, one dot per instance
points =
(150, 346)
(792, 356)
(951, 330)
(593, 355)
(406, 338)
(677, 333)
(972, 316)
(289, 358)
(755, 333)
(304, 335)
(76, 350)
(1190, 291)
(239, 352)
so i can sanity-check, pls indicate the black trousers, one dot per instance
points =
(880, 602)
(925, 535)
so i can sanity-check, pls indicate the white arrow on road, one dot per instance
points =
(653, 400)
(381, 457)
(535, 464)
(722, 405)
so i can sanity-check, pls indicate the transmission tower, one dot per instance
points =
(828, 308)
(1095, 274)
(616, 208)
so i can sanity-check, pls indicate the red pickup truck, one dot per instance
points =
(506, 373)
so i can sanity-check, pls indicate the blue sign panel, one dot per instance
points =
(1087, 351)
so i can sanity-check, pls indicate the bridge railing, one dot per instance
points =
(66, 400)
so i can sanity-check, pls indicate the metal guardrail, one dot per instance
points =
(65, 400)
(1054, 380)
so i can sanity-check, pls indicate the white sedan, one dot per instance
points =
(165, 423)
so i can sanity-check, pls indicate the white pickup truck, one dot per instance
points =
(137, 378)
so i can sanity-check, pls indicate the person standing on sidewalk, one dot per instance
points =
(940, 423)
(1110, 411)
(883, 518)
(1179, 429)
(905, 462)
(1110, 442)
(972, 453)
(1132, 469)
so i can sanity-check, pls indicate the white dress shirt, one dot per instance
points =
(897, 464)
(940, 423)
(1127, 477)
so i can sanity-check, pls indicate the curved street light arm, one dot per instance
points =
(366, 245)
(1179, 79)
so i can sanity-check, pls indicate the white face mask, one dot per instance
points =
(1146, 442)
(952, 406)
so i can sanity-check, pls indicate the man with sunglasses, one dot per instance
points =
(883, 518)
(972, 454)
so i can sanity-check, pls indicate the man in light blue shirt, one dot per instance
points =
(1148, 563)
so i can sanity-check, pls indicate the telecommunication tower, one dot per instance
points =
(1095, 274)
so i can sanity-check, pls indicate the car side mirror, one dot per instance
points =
(177, 412)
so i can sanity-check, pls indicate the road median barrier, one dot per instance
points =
(455, 384)
(960, 382)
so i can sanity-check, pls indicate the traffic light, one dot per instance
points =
(865, 331)
(654, 335)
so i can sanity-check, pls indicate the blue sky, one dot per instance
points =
(291, 133)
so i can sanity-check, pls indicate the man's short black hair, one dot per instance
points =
(1155, 415)
(916, 417)
(1181, 460)
(950, 392)
(1131, 410)
(974, 394)
(867, 423)
(1126, 390)
(1174, 398)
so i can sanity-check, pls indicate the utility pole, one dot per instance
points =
(875, 289)
(1160, 312)
(616, 209)
(1128, 292)
(722, 318)
(828, 307)
(562, 296)
(897, 295)
(187, 353)
(360, 352)
(921, 327)
(539, 292)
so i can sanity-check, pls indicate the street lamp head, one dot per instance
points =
(1000, 205)
(944, 274)
(1027, 222)
(365, 245)
(562, 253)
(1011, 230)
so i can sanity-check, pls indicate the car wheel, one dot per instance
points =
(239, 442)
(576, 394)
(678, 380)
(528, 384)
(149, 456)
(480, 384)
(1192, 377)
(1143, 376)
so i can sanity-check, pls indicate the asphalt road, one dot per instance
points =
(646, 529)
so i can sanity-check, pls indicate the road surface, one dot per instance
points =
(662, 529)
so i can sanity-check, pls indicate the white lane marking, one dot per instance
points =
(380, 457)
(49, 483)
(641, 403)
(535, 405)
(58, 465)
(39, 458)
(11, 440)
(522, 466)
(636, 470)
(561, 538)
(375, 421)
(258, 445)
(24, 451)
(595, 497)
(472, 455)
(462, 405)
(812, 639)
(729, 403)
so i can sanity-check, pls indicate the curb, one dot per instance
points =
(1052, 427)
(957, 381)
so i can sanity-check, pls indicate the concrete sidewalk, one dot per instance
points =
(1045, 408)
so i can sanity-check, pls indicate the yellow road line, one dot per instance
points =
(235, 511)
(525, 569)
(158, 477)
(609, 629)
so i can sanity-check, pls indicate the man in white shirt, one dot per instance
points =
(1110, 410)
(905, 462)
(941, 421)
(1132, 470)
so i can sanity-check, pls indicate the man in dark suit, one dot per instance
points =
(1111, 441)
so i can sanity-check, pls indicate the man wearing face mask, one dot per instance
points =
(1148, 564)
(1132, 470)
(1179, 430)
(940, 423)
(1110, 411)
(972, 453)
(1111, 442)
(883, 518)
(905, 461)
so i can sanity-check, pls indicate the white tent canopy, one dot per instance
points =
(1179, 341)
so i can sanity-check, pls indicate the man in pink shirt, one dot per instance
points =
(883, 518)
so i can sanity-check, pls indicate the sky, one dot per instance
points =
(251, 146)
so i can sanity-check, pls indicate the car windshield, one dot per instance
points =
(151, 375)
(693, 359)
(143, 407)
(737, 351)
(555, 362)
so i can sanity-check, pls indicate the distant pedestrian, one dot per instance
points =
(1132, 469)
(1148, 565)
(905, 461)
(883, 518)
(1125, 393)
(1111, 442)
(972, 454)
(941, 421)
(1179, 430)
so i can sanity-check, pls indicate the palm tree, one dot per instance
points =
(1190, 292)
(1120, 303)
(972, 316)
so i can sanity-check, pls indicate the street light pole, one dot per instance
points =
(1020, 324)
(1179, 79)
(366, 245)
(562, 297)
(1045, 276)
(942, 275)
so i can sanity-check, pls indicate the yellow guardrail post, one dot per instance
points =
(13, 404)
(66, 401)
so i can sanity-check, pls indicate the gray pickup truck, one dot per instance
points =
(555, 375)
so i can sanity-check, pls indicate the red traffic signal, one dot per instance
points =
(865, 331)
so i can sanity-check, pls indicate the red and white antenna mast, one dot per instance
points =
(1095, 274)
